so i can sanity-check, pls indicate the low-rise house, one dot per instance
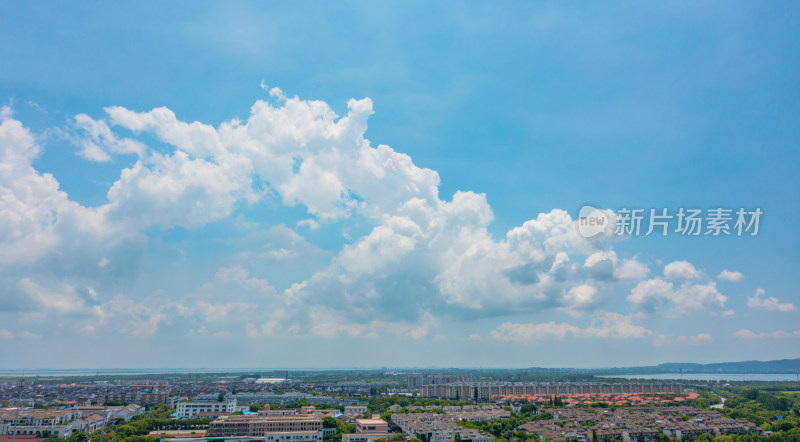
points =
(437, 427)
(31, 421)
(371, 426)
(636, 424)
(355, 409)
(88, 424)
(128, 412)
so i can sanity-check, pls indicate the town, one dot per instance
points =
(285, 407)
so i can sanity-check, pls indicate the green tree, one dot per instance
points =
(705, 437)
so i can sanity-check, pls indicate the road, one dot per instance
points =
(721, 404)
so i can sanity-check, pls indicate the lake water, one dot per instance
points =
(710, 376)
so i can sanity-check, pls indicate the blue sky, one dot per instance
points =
(189, 184)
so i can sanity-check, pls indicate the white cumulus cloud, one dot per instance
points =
(96, 140)
(423, 257)
(771, 304)
(681, 270)
(631, 269)
(658, 294)
(698, 339)
(608, 325)
(730, 276)
(778, 334)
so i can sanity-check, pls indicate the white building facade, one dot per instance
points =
(192, 409)
(293, 436)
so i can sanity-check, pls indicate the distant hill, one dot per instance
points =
(778, 366)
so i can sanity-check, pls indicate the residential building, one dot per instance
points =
(125, 413)
(355, 409)
(88, 424)
(258, 425)
(365, 437)
(371, 426)
(414, 380)
(290, 397)
(278, 411)
(294, 436)
(205, 407)
(128, 412)
(436, 427)
(32, 421)
(483, 391)
(143, 395)
(639, 424)
(438, 379)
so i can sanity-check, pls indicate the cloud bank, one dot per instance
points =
(423, 261)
